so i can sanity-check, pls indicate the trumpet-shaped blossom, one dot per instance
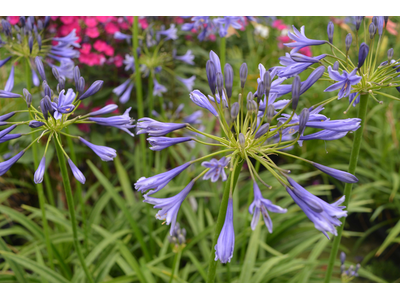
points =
(158, 88)
(159, 143)
(169, 207)
(262, 205)
(9, 137)
(300, 40)
(155, 128)
(6, 165)
(170, 34)
(38, 177)
(201, 100)
(189, 82)
(217, 169)
(188, 57)
(226, 240)
(123, 122)
(345, 81)
(339, 175)
(76, 172)
(225, 22)
(159, 181)
(296, 63)
(105, 153)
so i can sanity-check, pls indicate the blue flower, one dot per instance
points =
(339, 175)
(6, 165)
(155, 128)
(105, 153)
(7, 116)
(105, 110)
(296, 63)
(169, 206)
(10, 81)
(203, 24)
(201, 100)
(301, 40)
(129, 63)
(351, 98)
(125, 89)
(38, 177)
(188, 57)
(7, 130)
(225, 22)
(123, 122)
(158, 88)
(345, 81)
(171, 33)
(76, 172)
(9, 137)
(122, 36)
(325, 216)
(226, 240)
(189, 82)
(260, 204)
(159, 181)
(194, 118)
(217, 169)
(160, 143)
(326, 135)
(64, 105)
(35, 124)
(93, 89)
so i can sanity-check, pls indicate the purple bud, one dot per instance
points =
(7, 116)
(303, 119)
(94, 88)
(234, 110)
(342, 257)
(40, 67)
(267, 82)
(335, 66)
(339, 175)
(372, 30)
(7, 130)
(22, 20)
(349, 39)
(81, 85)
(35, 124)
(105, 110)
(270, 113)
(55, 73)
(243, 74)
(105, 153)
(77, 75)
(30, 43)
(46, 107)
(76, 172)
(211, 76)
(220, 84)
(390, 54)
(386, 20)
(46, 21)
(228, 73)
(358, 22)
(28, 97)
(226, 240)
(38, 177)
(362, 54)
(330, 30)
(6, 165)
(263, 130)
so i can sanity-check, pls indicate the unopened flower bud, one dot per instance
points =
(61, 83)
(35, 124)
(40, 67)
(243, 74)
(22, 20)
(390, 54)
(263, 130)
(228, 73)
(375, 21)
(267, 82)
(81, 85)
(386, 20)
(28, 97)
(251, 106)
(349, 39)
(77, 75)
(336, 66)
(93, 89)
(30, 43)
(342, 257)
(270, 113)
(211, 76)
(55, 73)
(234, 110)
(260, 90)
(358, 22)
(362, 54)
(40, 25)
(45, 105)
(296, 85)
(330, 30)
(242, 140)
(303, 119)
(372, 30)
(280, 127)
(220, 84)
(250, 96)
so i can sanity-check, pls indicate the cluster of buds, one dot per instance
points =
(348, 275)
(55, 113)
(252, 130)
(178, 238)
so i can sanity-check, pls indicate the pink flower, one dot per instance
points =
(306, 51)
(85, 48)
(102, 19)
(179, 20)
(111, 28)
(109, 50)
(100, 45)
(212, 37)
(54, 18)
(68, 19)
(278, 24)
(91, 21)
(84, 127)
(13, 20)
(66, 29)
(118, 61)
(92, 32)
(143, 23)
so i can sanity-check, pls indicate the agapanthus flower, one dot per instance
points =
(296, 63)
(187, 58)
(188, 82)
(345, 81)
(249, 135)
(202, 24)
(57, 111)
(27, 40)
(225, 22)
(170, 34)
(300, 40)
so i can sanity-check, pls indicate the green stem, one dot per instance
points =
(71, 208)
(175, 265)
(362, 112)
(150, 94)
(212, 268)
(78, 193)
(139, 95)
(222, 52)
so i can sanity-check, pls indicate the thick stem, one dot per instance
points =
(212, 267)
(362, 112)
(71, 208)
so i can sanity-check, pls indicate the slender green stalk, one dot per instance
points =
(212, 267)
(78, 193)
(71, 208)
(39, 187)
(362, 112)
(139, 94)
(222, 52)
(175, 265)
(150, 94)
